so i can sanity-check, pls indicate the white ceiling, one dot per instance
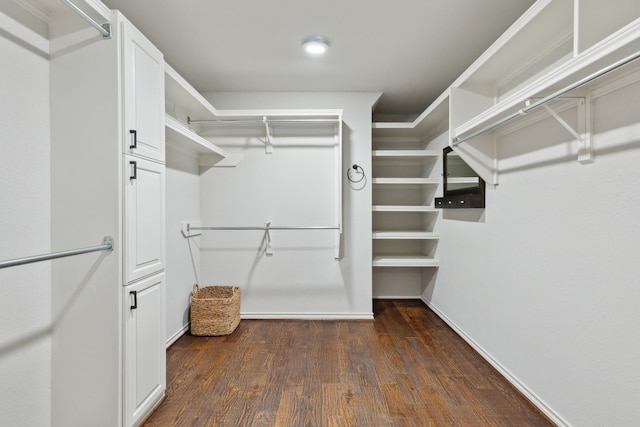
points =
(411, 50)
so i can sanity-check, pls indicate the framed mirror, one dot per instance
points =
(463, 188)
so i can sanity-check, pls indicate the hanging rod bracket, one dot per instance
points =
(583, 132)
(108, 242)
(107, 28)
(268, 145)
(268, 251)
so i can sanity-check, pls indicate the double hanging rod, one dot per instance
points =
(107, 245)
(456, 141)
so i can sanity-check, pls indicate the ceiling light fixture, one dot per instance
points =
(315, 45)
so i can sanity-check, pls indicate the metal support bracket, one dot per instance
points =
(584, 132)
(268, 145)
(267, 237)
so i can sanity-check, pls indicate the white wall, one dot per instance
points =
(25, 291)
(545, 281)
(294, 283)
(183, 255)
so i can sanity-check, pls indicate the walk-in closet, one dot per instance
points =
(437, 218)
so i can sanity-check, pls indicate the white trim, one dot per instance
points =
(305, 316)
(36, 10)
(175, 337)
(24, 34)
(397, 297)
(528, 393)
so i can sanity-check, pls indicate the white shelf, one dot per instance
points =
(404, 261)
(183, 98)
(406, 154)
(405, 208)
(401, 235)
(180, 135)
(406, 181)
(433, 120)
(555, 75)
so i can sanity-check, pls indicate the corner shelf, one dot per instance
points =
(405, 181)
(404, 261)
(183, 101)
(398, 235)
(181, 136)
(404, 186)
(403, 208)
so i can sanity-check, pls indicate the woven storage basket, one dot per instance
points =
(215, 310)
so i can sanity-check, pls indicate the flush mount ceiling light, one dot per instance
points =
(315, 45)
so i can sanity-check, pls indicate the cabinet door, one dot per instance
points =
(144, 348)
(144, 227)
(144, 95)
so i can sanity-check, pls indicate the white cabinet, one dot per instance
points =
(144, 225)
(144, 95)
(145, 360)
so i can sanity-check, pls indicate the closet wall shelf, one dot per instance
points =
(401, 235)
(182, 99)
(405, 154)
(435, 119)
(404, 261)
(621, 47)
(406, 181)
(401, 208)
(184, 138)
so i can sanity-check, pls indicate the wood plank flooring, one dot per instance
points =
(405, 368)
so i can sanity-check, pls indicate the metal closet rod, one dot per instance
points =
(104, 29)
(270, 227)
(456, 141)
(107, 245)
(262, 121)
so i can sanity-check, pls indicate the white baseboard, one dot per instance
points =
(306, 316)
(178, 334)
(529, 394)
(397, 297)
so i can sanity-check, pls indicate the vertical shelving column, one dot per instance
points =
(403, 212)
(406, 177)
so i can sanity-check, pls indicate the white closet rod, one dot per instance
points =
(107, 245)
(456, 141)
(267, 228)
(104, 29)
(262, 121)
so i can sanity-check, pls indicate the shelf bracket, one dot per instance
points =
(268, 146)
(267, 237)
(583, 133)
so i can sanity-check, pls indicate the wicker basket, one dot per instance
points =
(215, 310)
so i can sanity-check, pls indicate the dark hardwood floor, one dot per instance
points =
(405, 368)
